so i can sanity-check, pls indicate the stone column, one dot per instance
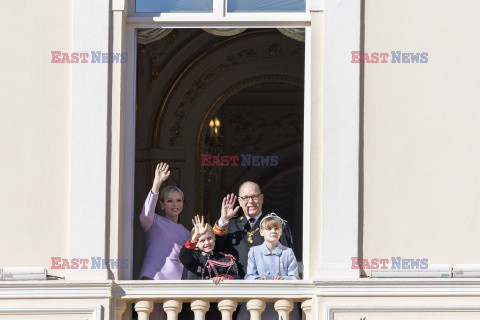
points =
(256, 307)
(307, 308)
(283, 307)
(120, 306)
(143, 308)
(227, 307)
(172, 308)
(199, 307)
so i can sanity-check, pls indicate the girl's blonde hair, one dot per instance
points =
(271, 222)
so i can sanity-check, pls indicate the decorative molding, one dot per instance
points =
(239, 289)
(406, 287)
(331, 308)
(55, 289)
(199, 83)
(214, 108)
(234, 289)
(274, 49)
(94, 311)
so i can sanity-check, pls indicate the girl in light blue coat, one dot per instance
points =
(271, 261)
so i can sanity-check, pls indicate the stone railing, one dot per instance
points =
(144, 294)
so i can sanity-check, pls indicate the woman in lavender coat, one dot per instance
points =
(164, 235)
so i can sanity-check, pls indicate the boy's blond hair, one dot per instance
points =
(209, 230)
(271, 222)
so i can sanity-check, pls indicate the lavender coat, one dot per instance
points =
(164, 240)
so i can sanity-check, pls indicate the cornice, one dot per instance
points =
(189, 289)
(397, 287)
(239, 289)
(55, 289)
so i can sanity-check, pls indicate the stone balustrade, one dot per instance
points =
(144, 294)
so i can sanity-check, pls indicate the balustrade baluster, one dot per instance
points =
(172, 308)
(199, 307)
(307, 308)
(283, 307)
(256, 307)
(143, 308)
(120, 307)
(227, 307)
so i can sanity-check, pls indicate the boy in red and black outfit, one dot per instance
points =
(201, 260)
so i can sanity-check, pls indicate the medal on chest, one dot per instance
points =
(250, 234)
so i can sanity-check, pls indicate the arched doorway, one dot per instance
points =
(253, 84)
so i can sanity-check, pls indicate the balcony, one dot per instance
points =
(321, 299)
(143, 295)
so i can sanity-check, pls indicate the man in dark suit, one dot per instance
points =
(237, 234)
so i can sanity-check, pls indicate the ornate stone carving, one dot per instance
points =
(200, 84)
(274, 49)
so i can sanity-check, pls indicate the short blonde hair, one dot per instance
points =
(209, 230)
(168, 191)
(271, 222)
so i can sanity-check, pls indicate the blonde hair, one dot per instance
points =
(209, 230)
(271, 222)
(168, 190)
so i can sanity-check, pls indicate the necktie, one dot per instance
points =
(251, 220)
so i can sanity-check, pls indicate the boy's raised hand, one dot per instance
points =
(228, 210)
(200, 227)
(161, 175)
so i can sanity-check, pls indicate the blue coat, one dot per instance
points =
(280, 262)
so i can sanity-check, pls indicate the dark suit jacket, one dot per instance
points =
(235, 241)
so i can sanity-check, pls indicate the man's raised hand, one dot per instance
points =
(228, 210)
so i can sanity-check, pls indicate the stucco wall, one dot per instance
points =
(422, 173)
(35, 127)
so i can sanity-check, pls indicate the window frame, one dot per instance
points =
(129, 161)
(219, 14)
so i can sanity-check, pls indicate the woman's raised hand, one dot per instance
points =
(161, 172)
(228, 210)
(161, 175)
(200, 227)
